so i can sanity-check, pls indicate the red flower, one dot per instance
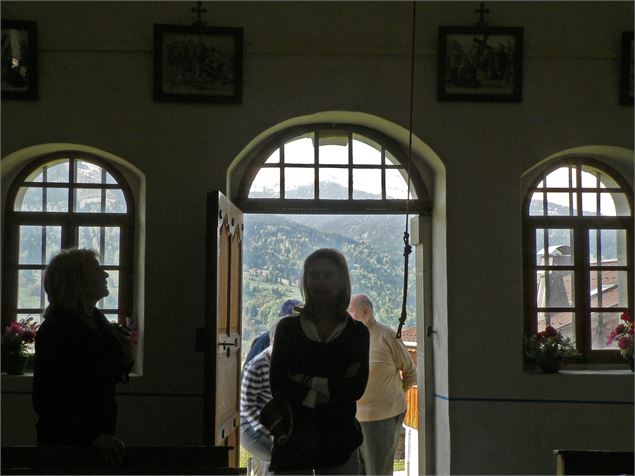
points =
(624, 342)
(28, 335)
(13, 328)
(626, 317)
(24, 330)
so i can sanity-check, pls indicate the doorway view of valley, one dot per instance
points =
(275, 247)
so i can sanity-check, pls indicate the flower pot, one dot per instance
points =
(550, 366)
(15, 364)
(30, 361)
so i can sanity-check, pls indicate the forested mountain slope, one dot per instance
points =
(275, 247)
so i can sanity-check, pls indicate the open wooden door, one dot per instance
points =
(222, 332)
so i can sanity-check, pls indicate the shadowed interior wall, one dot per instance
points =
(95, 75)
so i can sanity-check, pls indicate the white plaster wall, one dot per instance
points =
(306, 57)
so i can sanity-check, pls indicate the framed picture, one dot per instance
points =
(626, 76)
(19, 59)
(198, 64)
(479, 64)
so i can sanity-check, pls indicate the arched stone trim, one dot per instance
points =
(618, 158)
(425, 162)
(16, 162)
(429, 238)
(616, 164)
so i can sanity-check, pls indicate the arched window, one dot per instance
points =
(63, 200)
(323, 167)
(578, 255)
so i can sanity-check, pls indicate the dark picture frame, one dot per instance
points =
(19, 60)
(626, 74)
(480, 63)
(198, 64)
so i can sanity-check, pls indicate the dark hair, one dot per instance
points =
(339, 260)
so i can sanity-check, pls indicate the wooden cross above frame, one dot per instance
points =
(199, 10)
(482, 11)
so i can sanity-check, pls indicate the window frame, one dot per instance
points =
(69, 221)
(581, 225)
(420, 205)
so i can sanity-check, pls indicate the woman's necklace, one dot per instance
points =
(325, 325)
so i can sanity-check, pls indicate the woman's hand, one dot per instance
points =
(301, 378)
(297, 378)
(315, 384)
(111, 448)
(125, 341)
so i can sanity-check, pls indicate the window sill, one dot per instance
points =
(597, 372)
(23, 384)
(30, 375)
(572, 369)
(25, 374)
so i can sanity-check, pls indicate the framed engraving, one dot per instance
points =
(198, 64)
(19, 60)
(479, 64)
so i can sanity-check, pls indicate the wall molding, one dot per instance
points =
(344, 50)
(529, 400)
(123, 394)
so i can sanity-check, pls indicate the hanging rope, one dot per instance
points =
(407, 249)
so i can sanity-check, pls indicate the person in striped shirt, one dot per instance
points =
(254, 395)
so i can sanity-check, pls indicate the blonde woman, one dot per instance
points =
(319, 369)
(79, 358)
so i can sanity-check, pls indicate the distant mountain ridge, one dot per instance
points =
(553, 209)
(275, 247)
(328, 190)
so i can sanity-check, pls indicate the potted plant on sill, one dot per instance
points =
(17, 345)
(623, 335)
(548, 348)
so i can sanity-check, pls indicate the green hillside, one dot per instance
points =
(275, 247)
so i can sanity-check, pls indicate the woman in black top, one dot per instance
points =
(79, 357)
(319, 369)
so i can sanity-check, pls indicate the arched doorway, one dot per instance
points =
(259, 182)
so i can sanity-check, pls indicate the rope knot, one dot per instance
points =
(407, 249)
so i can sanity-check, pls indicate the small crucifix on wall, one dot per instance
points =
(199, 10)
(481, 12)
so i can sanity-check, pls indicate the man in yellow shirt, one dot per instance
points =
(381, 409)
